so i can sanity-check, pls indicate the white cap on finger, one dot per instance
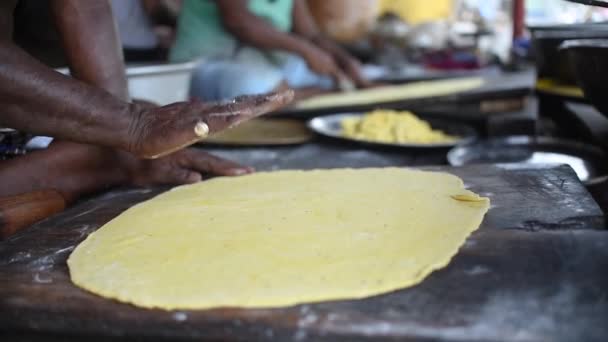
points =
(201, 129)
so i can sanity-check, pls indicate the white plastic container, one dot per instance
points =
(158, 83)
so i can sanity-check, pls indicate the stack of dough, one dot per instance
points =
(393, 127)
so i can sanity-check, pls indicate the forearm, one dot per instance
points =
(39, 100)
(304, 26)
(255, 31)
(95, 61)
(71, 169)
(270, 38)
(347, 63)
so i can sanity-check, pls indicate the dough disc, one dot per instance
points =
(391, 93)
(280, 238)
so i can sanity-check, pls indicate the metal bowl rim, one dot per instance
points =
(523, 140)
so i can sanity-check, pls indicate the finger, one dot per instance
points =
(182, 176)
(192, 177)
(356, 75)
(220, 116)
(215, 117)
(353, 69)
(344, 82)
(362, 82)
(207, 163)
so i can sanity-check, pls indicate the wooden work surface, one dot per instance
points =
(537, 270)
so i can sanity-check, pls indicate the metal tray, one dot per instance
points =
(330, 126)
(588, 161)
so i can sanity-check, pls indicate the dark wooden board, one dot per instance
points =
(505, 284)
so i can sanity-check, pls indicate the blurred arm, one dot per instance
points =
(255, 31)
(91, 44)
(305, 26)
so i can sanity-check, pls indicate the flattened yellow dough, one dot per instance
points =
(392, 93)
(280, 238)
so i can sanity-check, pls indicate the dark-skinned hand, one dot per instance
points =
(76, 169)
(352, 68)
(159, 131)
(320, 61)
(186, 166)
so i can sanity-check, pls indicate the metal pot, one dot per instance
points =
(546, 40)
(589, 59)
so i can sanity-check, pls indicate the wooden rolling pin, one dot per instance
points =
(20, 211)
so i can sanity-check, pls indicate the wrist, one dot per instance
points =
(78, 169)
(330, 47)
(127, 167)
(102, 167)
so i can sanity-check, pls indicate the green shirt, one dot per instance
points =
(200, 32)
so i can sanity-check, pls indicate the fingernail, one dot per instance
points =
(194, 177)
(201, 129)
(240, 172)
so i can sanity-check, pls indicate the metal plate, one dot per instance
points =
(331, 126)
(587, 161)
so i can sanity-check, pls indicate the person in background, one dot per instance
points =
(257, 46)
(146, 28)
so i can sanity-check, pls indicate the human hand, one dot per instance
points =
(75, 169)
(159, 131)
(186, 166)
(352, 68)
(320, 61)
